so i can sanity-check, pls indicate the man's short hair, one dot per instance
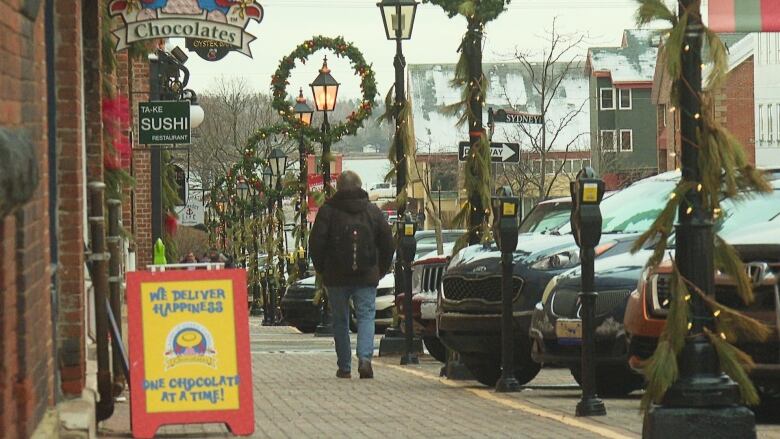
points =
(349, 180)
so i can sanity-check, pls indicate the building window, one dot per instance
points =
(761, 123)
(607, 98)
(626, 140)
(585, 164)
(607, 140)
(769, 125)
(662, 110)
(625, 98)
(548, 167)
(536, 166)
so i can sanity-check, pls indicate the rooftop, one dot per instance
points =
(510, 87)
(633, 61)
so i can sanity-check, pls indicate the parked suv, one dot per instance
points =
(556, 325)
(759, 248)
(469, 319)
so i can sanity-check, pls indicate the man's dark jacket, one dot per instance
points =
(340, 209)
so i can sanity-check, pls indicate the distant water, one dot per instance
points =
(371, 170)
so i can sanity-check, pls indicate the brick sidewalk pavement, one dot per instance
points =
(297, 396)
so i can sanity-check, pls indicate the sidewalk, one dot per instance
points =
(298, 396)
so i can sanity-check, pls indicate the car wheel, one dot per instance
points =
(306, 329)
(485, 369)
(435, 348)
(612, 381)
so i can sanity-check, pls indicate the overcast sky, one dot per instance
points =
(436, 38)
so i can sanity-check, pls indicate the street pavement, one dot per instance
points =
(297, 395)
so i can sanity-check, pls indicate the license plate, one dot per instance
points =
(428, 310)
(569, 331)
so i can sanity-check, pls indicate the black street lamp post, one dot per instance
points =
(270, 309)
(325, 90)
(703, 402)
(164, 84)
(398, 18)
(304, 112)
(277, 161)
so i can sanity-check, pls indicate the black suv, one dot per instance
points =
(469, 314)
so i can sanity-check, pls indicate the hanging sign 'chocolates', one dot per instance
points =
(220, 21)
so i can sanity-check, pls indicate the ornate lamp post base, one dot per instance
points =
(591, 406)
(324, 328)
(454, 369)
(392, 343)
(727, 422)
(507, 384)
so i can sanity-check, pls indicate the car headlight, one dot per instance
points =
(417, 274)
(567, 258)
(558, 261)
(385, 291)
(659, 295)
(456, 258)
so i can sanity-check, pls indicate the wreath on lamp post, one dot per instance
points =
(342, 49)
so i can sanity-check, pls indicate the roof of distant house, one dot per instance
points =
(633, 61)
(510, 87)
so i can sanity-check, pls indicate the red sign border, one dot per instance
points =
(144, 425)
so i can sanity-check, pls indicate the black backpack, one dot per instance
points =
(354, 242)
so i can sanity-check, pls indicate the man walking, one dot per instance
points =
(352, 247)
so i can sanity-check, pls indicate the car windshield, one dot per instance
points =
(754, 209)
(633, 209)
(546, 218)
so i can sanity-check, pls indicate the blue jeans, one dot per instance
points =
(364, 300)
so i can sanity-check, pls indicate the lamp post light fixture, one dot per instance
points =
(325, 90)
(304, 112)
(398, 18)
(278, 163)
(395, 12)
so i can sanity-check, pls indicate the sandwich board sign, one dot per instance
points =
(189, 350)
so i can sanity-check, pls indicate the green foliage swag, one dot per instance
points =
(279, 83)
(725, 172)
(477, 177)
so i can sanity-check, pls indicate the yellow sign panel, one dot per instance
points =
(510, 209)
(189, 348)
(590, 193)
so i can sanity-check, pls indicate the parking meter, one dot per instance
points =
(587, 192)
(505, 222)
(407, 246)
(505, 225)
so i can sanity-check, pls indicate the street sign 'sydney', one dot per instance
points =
(223, 21)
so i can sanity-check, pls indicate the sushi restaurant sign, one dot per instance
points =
(189, 350)
(223, 21)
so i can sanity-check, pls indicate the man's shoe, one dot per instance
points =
(365, 369)
(343, 374)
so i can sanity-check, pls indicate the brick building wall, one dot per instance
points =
(26, 351)
(142, 170)
(734, 106)
(71, 327)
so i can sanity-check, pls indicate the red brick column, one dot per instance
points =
(26, 365)
(92, 12)
(71, 203)
(142, 196)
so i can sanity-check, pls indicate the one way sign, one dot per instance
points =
(499, 152)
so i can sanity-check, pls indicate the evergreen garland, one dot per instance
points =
(725, 171)
(477, 177)
(342, 49)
